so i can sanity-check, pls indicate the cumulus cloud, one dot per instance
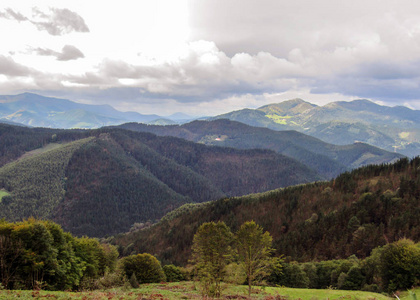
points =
(68, 52)
(55, 21)
(356, 49)
(11, 68)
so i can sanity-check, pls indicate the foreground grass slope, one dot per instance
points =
(186, 290)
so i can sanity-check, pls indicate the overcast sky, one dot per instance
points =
(205, 57)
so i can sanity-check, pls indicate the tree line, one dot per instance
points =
(36, 254)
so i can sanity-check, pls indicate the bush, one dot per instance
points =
(400, 265)
(173, 273)
(146, 268)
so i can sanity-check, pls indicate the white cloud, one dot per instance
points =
(211, 52)
(55, 21)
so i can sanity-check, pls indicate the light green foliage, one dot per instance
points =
(400, 265)
(145, 266)
(235, 274)
(39, 254)
(254, 249)
(278, 119)
(211, 253)
(3, 194)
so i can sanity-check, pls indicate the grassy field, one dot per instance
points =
(186, 290)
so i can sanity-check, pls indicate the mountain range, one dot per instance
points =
(341, 123)
(39, 111)
(326, 159)
(100, 182)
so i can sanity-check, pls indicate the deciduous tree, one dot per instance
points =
(211, 253)
(254, 250)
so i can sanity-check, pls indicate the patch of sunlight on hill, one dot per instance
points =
(404, 135)
(279, 119)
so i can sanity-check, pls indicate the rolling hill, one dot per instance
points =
(100, 182)
(351, 214)
(390, 128)
(327, 159)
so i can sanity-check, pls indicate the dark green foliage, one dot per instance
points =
(37, 183)
(113, 178)
(319, 221)
(145, 267)
(354, 279)
(173, 273)
(16, 140)
(38, 254)
(292, 275)
(326, 159)
(133, 281)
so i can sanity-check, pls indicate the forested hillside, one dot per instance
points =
(101, 182)
(327, 159)
(351, 214)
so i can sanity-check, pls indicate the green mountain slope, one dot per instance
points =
(389, 128)
(36, 183)
(100, 182)
(351, 214)
(327, 159)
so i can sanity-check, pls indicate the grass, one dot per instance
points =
(187, 290)
(3, 193)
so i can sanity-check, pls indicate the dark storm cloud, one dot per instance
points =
(56, 21)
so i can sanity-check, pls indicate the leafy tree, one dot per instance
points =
(145, 267)
(254, 250)
(211, 253)
(400, 265)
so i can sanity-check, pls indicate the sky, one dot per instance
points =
(207, 57)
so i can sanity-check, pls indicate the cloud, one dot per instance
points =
(11, 14)
(68, 52)
(55, 21)
(11, 68)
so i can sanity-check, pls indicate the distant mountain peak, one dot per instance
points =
(288, 107)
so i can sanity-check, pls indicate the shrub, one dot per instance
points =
(400, 265)
(146, 268)
(173, 273)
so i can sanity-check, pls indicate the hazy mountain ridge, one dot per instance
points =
(327, 159)
(39, 111)
(113, 178)
(390, 128)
